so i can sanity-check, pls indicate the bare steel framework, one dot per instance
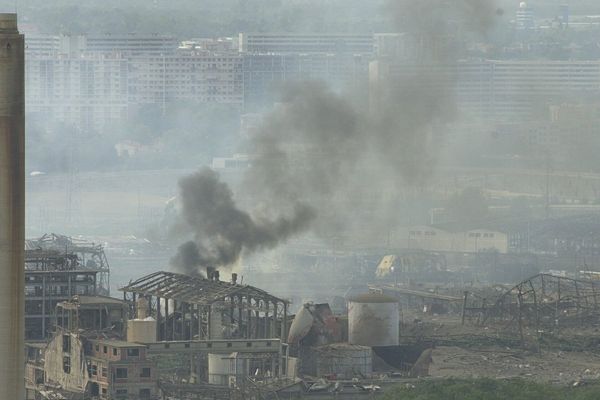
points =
(56, 268)
(546, 303)
(187, 308)
(89, 255)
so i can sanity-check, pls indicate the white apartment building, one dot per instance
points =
(87, 92)
(265, 43)
(500, 90)
(93, 92)
(202, 77)
(76, 45)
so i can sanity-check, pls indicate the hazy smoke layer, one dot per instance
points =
(351, 159)
(221, 230)
(443, 17)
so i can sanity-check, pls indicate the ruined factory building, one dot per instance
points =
(58, 267)
(92, 313)
(188, 308)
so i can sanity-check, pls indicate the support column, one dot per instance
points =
(266, 318)
(182, 324)
(240, 317)
(158, 319)
(166, 322)
(174, 318)
(284, 323)
(249, 318)
(256, 319)
(201, 334)
(274, 323)
(209, 323)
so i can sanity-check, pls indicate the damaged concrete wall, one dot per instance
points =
(65, 362)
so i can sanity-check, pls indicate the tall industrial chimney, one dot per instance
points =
(12, 208)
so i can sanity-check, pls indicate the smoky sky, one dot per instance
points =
(338, 162)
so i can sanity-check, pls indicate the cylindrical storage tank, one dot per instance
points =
(301, 325)
(373, 320)
(12, 208)
(141, 330)
(223, 367)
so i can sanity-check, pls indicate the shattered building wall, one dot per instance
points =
(65, 362)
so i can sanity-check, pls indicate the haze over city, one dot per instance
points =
(265, 198)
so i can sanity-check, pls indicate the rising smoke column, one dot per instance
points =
(221, 231)
(319, 153)
(356, 157)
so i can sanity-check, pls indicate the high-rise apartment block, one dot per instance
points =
(495, 89)
(305, 43)
(93, 81)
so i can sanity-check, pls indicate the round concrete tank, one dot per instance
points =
(225, 369)
(141, 330)
(373, 320)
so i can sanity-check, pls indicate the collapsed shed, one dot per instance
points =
(543, 302)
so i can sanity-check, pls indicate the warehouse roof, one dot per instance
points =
(193, 289)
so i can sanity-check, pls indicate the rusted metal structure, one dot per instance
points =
(57, 268)
(12, 206)
(546, 303)
(188, 308)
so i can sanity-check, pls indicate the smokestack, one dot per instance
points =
(210, 272)
(12, 208)
(233, 278)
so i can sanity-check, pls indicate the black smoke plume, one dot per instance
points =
(221, 231)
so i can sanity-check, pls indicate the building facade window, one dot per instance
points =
(67, 365)
(66, 343)
(133, 352)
